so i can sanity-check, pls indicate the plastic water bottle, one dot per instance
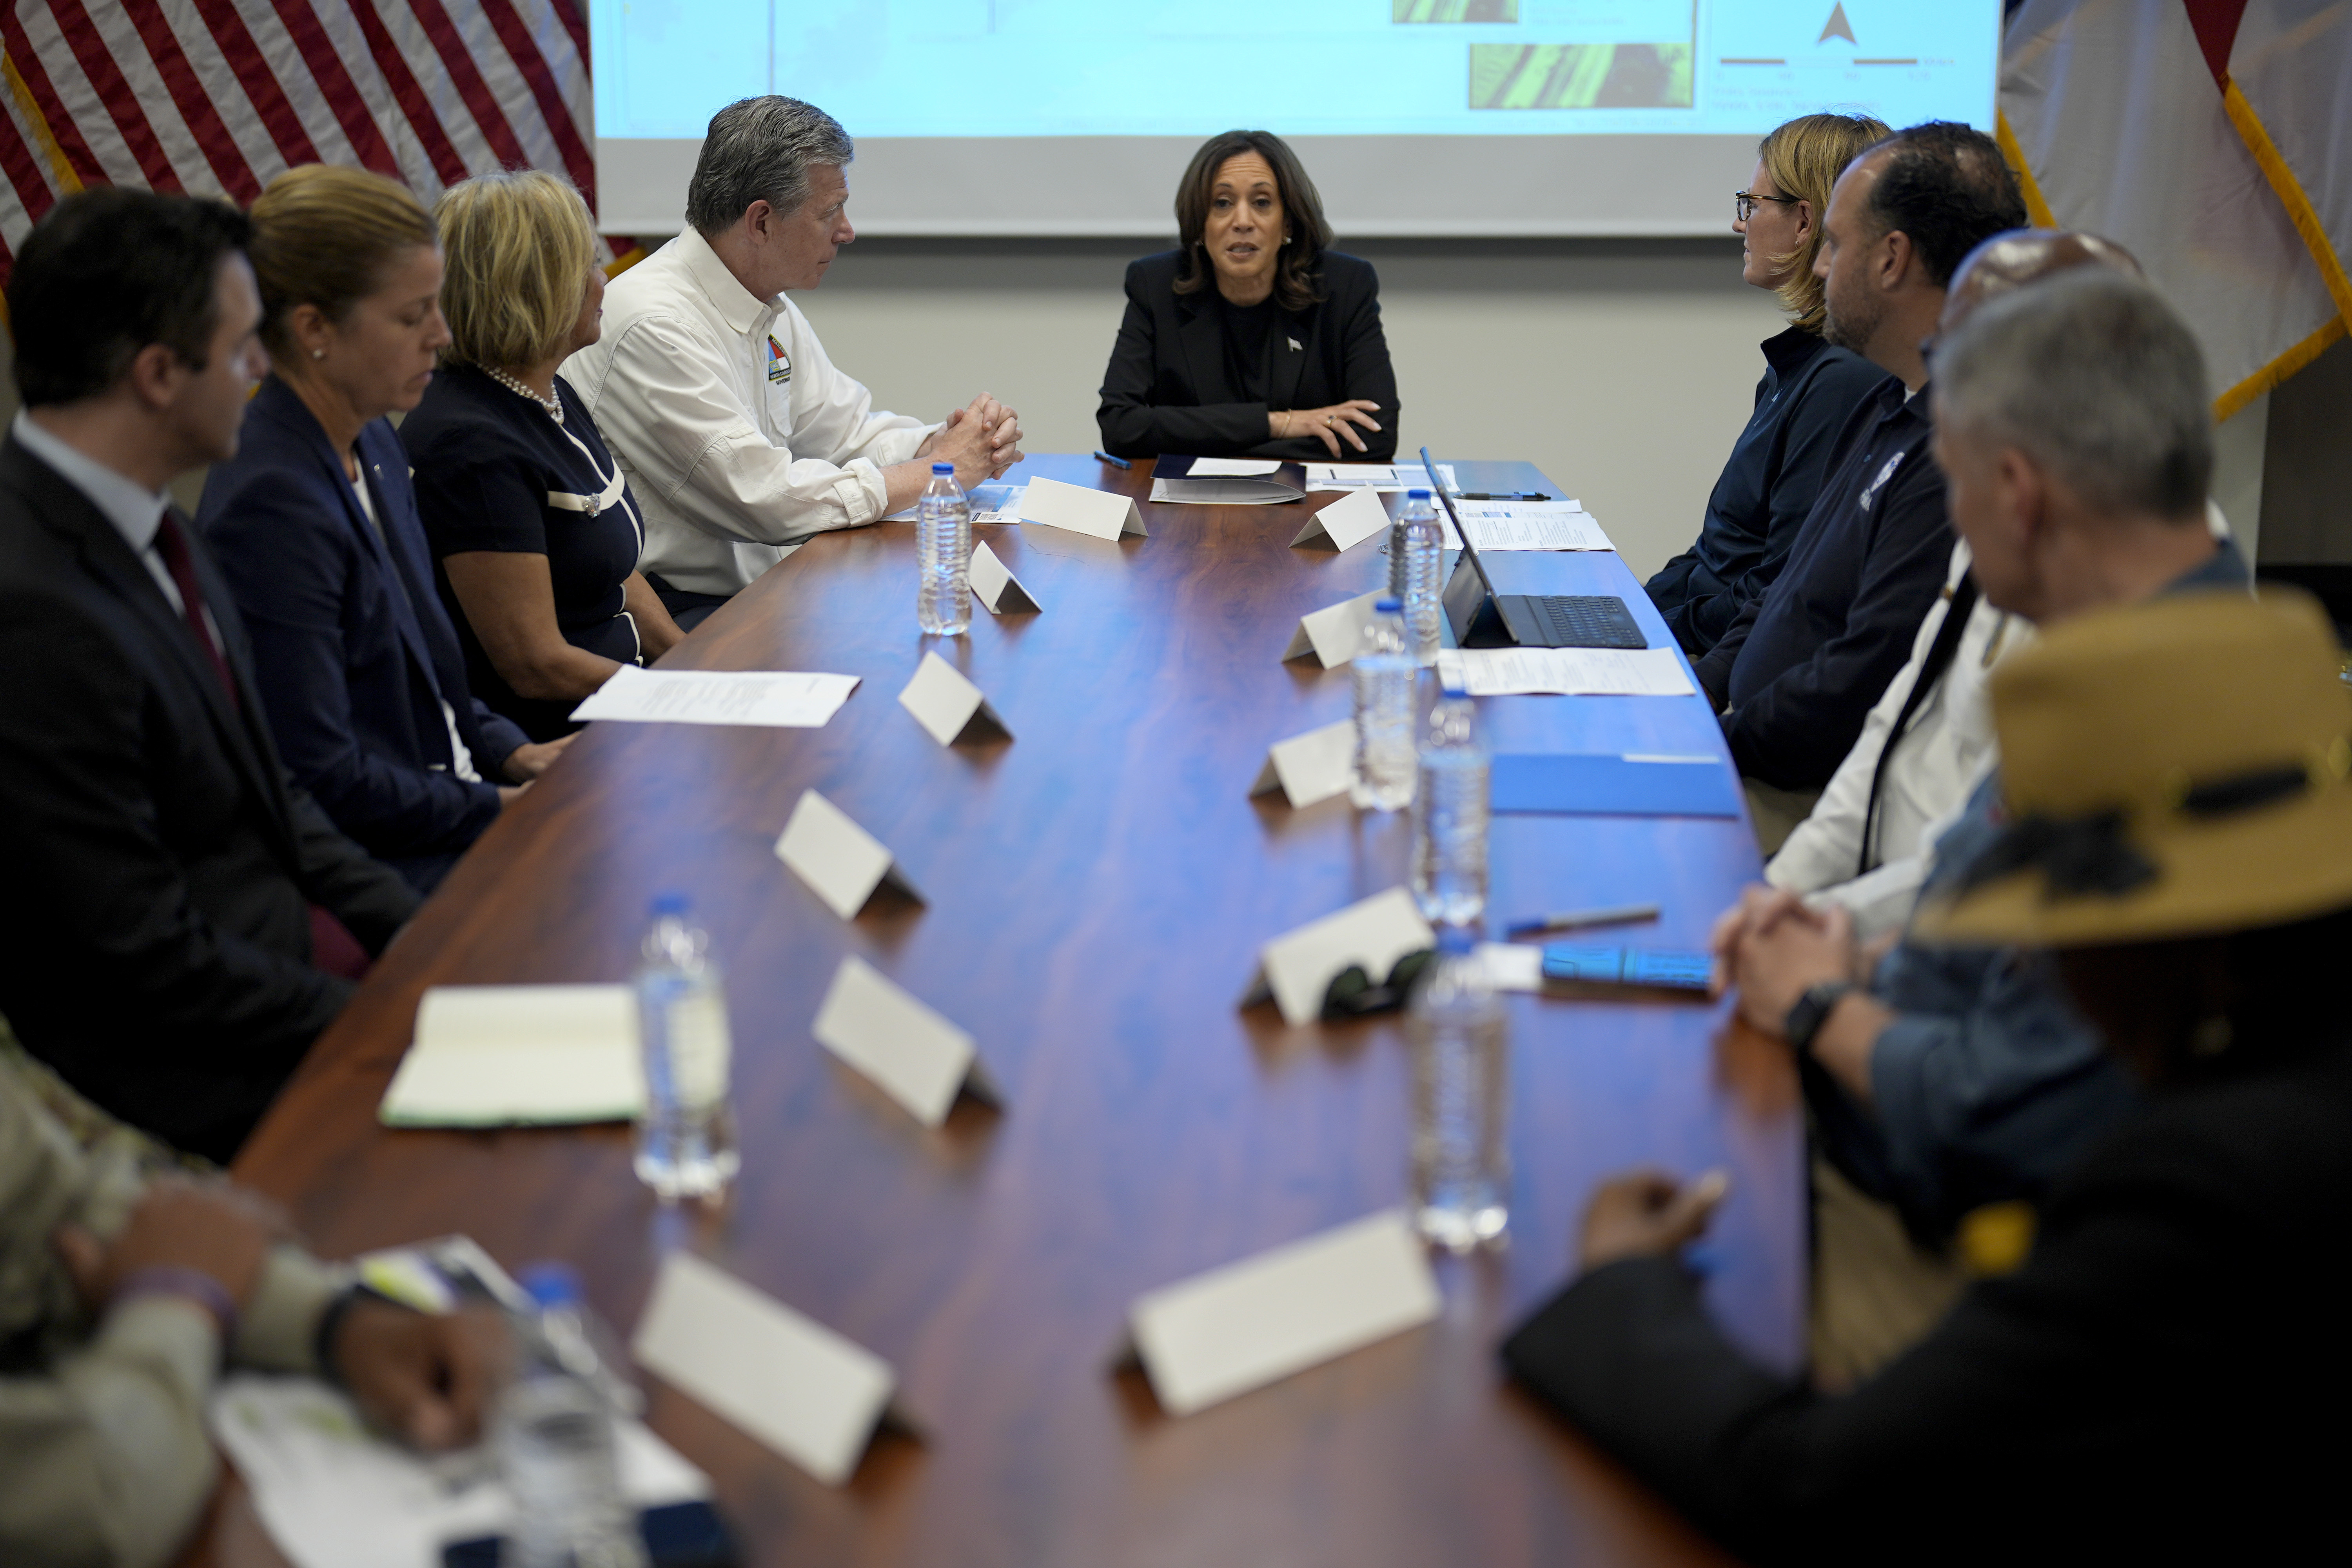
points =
(1458, 1033)
(1449, 816)
(555, 1436)
(943, 552)
(1416, 564)
(686, 1137)
(1384, 680)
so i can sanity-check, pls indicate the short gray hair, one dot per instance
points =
(2096, 379)
(761, 150)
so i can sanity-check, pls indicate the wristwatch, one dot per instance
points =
(1812, 1011)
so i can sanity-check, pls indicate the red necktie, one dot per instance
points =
(171, 545)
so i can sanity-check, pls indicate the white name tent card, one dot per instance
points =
(1105, 514)
(949, 706)
(1346, 522)
(840, 862)
(1296, 969)
(1253, 1322)
(996, 587)
(1564, 671)
(920, 1060)
(782, 699)
(1310, 767)
(787, 1380)
(1334, 633)
(501, 1056)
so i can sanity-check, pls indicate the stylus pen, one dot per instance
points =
(1502, 495)
(1114, 462)
(1570, 919)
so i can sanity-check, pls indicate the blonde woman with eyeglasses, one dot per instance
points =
(1810, 387)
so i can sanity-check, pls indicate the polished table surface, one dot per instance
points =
(1096, 890)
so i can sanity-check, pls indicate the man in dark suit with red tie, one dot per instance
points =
(182, 920)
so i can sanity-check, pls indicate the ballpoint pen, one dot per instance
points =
(1501, 495)
(1570, 919)
(1114, 462)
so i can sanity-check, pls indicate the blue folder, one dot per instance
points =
(1612, 785)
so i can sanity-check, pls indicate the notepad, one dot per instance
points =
(1639, 785)
(1564, 671)
(502, 1056)
(782, 698)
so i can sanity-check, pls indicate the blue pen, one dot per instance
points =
(1114, 462)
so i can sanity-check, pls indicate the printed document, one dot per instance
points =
(1565, 671)
(781, 699)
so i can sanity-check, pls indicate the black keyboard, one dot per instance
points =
(1584, 620)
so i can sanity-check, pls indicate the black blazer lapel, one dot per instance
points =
(1201, 333)
(1288, 346)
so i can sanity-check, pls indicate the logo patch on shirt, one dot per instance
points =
(1870, 491)
(780, 363)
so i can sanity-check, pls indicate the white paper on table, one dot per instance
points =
(787, 1380)
(1103, 515)
(1375, 475)
(1511, 965)
(1249, 1324)
(994, 584)
(782, 698)
(493, 1056)
(332, 1494)
(1311, 767)
(1007, 509)
(1564, 671)
(1230, 467)
(918, 1059)
(1531, 525)
(840, 862)
(1346, 522)
(1297, 968)
(948, 707)
(1335, 632)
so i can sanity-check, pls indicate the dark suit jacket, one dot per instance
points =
(356, 654)
(1166, 389)
(155, 944)
(2159, 1382)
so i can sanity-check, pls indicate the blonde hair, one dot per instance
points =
(518, 247)
(324, 236)
(1803, 159)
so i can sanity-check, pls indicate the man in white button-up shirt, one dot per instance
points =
(740, 437)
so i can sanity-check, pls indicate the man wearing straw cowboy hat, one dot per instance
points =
(2180, 831)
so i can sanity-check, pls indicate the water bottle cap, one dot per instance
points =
(1417, 495)
(551, 1285)
(1385, 605)
(1455, 944)
(943, 467)
(669, 905)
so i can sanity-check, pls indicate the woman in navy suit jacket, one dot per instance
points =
(314, 525)
(1255, 339)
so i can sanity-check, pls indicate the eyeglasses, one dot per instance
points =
(1744, 202)
(1352, 993)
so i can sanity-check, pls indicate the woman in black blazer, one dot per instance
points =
(1256, 340)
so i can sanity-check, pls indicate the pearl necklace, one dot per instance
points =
(553, 405)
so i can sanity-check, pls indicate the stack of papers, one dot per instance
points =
(1375, 475)
(1526, 525)
(1564, 671)
(782, 699)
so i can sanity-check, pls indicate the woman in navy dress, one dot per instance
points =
(531, 521)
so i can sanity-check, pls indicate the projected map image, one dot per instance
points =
(1332, 67)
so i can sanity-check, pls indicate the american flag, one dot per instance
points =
(215, 97)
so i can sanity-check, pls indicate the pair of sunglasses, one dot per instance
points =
(1353, 994)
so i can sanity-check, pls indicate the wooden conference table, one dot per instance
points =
(1098, 888)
